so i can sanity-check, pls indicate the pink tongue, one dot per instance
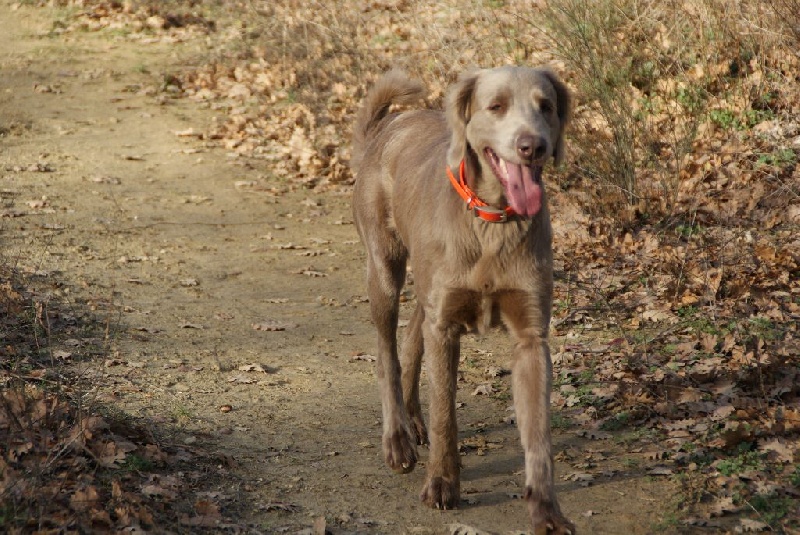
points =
(524, 193)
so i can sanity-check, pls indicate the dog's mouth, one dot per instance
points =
(522, 183)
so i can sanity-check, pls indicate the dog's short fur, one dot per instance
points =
(505, 123)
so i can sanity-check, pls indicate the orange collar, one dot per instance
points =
(474, 203)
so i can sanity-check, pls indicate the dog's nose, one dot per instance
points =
(530, 147)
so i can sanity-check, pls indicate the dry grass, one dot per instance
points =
(648, 73)
(653, 80)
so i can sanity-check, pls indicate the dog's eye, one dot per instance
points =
(495, 107)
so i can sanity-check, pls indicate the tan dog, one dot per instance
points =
(480, 249)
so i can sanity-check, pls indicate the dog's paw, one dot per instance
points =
(399, 452)
(546, 516)
(420, 431)
(440, 493)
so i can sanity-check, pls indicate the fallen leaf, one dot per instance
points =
(582, 478)
(485, 389)
(660, 471)
(84, 499)
(320, 526)
(749, 525)
(241, 378)
(274, 325)
(207, 515)
(723, 506)
(464, 529)
(778, 450)
(593, 434)
(252, 368)
(281, 506)
(496, 371)
(362, 356)
(158, 490)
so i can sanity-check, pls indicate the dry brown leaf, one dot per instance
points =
(582, 478)
(660, 471)
(116, 489)
(153, 489)
(207, 515)
(722, 506)
(496, 371)
(363, 357)
(281, 506)
(84, 499)
(273, 325)
(320, 526)
(593, 434)
(778, 450)
(108, 454)
(241, 379)
(750, 525)
(485, 389)
(252, 368)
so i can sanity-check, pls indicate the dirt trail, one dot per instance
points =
(183, 249)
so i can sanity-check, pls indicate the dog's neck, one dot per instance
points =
(494, 213)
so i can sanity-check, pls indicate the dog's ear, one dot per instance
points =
(563, 110)
(458, 104)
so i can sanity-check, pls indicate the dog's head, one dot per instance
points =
(507, 123)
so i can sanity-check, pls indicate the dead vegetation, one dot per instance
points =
(679, 270)
(68, 461)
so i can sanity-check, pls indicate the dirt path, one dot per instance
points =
(182, 250)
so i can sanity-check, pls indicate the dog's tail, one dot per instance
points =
(395, 87)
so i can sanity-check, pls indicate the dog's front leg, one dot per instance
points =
(531, 383)
(442, 486)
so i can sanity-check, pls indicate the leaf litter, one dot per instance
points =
(703, 305)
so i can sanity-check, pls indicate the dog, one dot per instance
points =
(459, 194)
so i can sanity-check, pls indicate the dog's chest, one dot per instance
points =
(483, 273)
(474, 300)
(473, 310)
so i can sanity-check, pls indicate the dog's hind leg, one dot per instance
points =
(411, 359)
(386, 271)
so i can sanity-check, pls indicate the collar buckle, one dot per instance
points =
(487, 213)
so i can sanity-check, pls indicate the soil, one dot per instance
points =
(234, 305)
